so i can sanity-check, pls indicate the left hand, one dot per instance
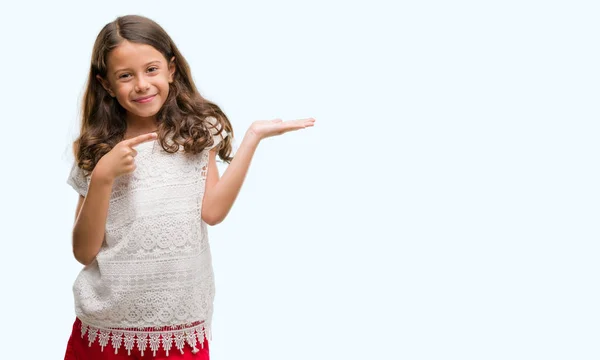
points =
(267, 128)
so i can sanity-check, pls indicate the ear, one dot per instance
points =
(172, 69)
(105, 85)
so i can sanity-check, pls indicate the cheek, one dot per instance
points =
(165, 86)
(122, 92)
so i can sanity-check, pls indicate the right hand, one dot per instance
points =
(119, 160)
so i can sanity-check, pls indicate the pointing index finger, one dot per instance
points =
(142, 139)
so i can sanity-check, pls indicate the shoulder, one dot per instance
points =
(78, 179)
(216, 130)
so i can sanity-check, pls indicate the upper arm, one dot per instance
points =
(212, 177)
(212, 172)
(79, 205)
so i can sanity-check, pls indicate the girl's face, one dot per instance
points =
(138, 75)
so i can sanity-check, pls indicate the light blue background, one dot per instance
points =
(445, 205)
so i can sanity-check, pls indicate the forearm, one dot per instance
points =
(89, 229)
(221, 197)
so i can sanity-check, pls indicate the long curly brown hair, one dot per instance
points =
(182, 119)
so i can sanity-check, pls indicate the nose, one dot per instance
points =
(142, 85)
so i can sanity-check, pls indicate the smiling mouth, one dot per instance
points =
(144, 99)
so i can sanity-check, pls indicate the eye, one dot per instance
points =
(152, 69)
(124, 76)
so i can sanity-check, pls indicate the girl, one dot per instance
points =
(146, 174)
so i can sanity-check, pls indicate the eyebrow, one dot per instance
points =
(150, 63)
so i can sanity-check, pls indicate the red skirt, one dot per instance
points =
(78, 348)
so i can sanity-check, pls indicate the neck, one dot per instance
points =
(140, 125)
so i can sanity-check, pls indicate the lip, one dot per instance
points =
(144, 99)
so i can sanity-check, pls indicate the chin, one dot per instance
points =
(143, 114)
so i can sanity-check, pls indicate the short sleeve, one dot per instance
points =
(214, 127)
(78, 180)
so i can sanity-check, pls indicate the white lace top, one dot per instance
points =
(152, 282)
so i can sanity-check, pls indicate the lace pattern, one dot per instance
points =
(145, 339)
(154, 269)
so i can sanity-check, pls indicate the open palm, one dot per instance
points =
(267, 128)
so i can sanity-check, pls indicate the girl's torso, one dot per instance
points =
(154, 268)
